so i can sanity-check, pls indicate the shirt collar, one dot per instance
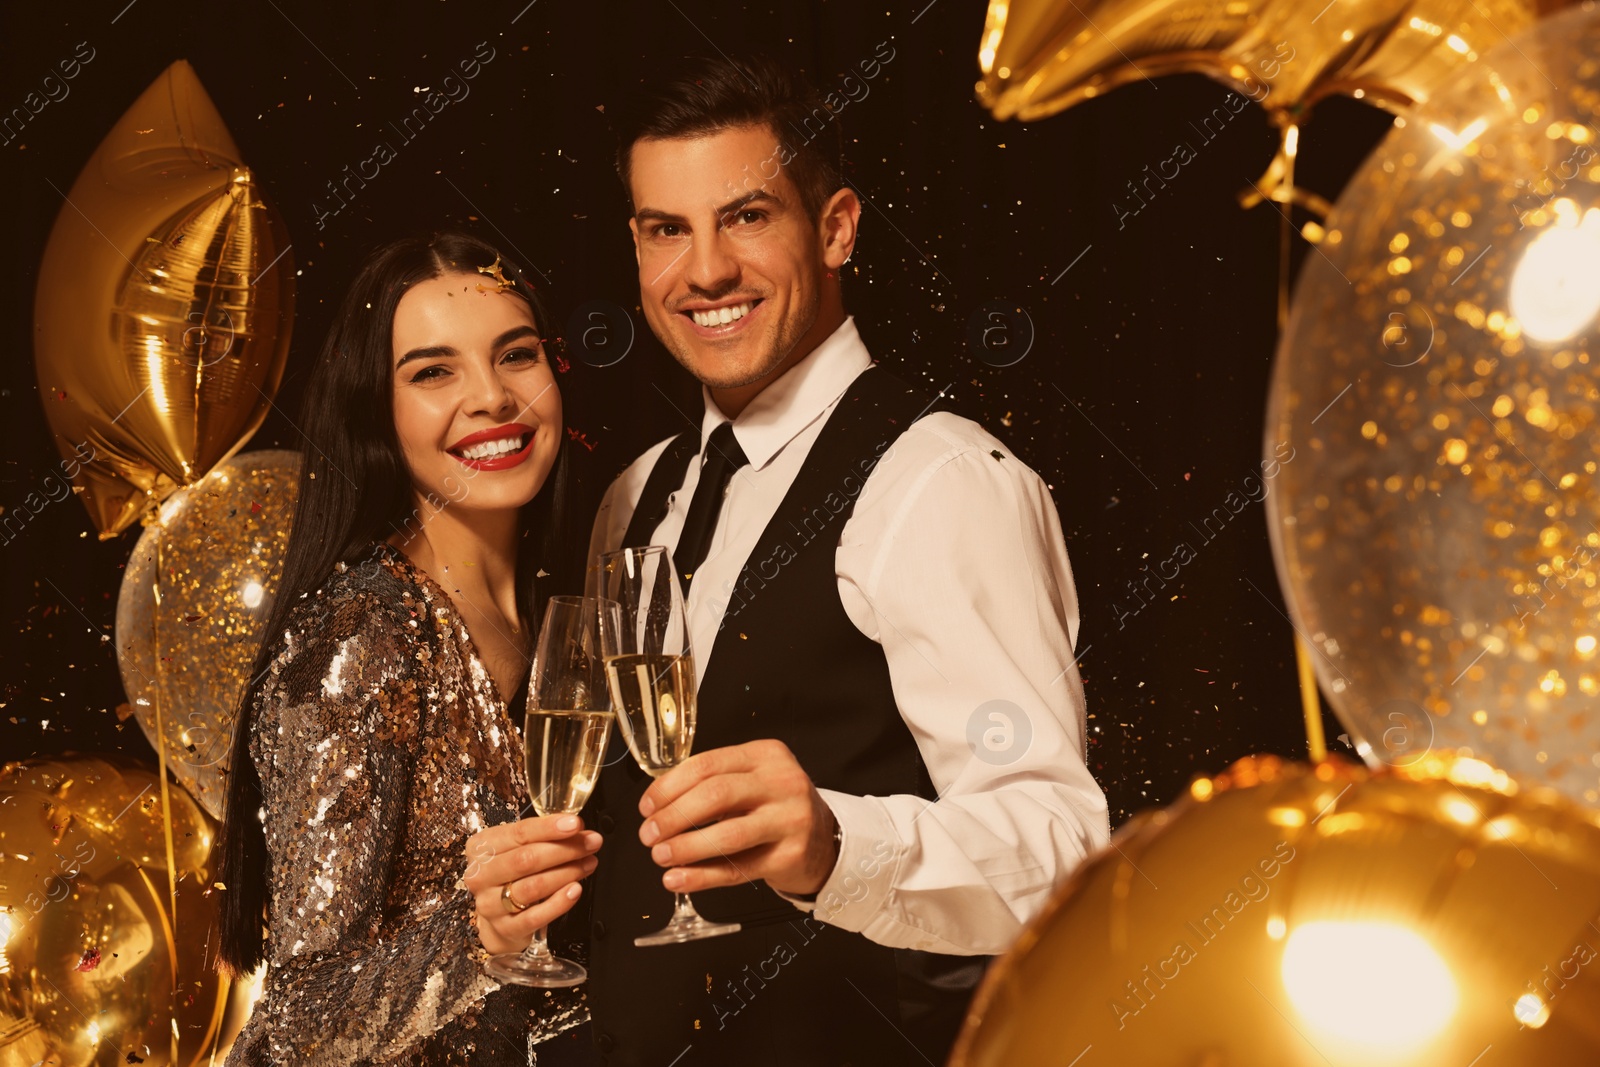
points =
(796, 400)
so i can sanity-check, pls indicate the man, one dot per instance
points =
(889, 773)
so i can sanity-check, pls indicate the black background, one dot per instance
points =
(1141, 400)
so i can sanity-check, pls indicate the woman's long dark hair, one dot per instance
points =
(355, 489)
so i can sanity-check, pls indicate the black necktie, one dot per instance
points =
(723, 457)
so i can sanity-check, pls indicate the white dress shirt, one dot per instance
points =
(953, 561)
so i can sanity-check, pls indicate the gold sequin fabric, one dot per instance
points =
(382, 746)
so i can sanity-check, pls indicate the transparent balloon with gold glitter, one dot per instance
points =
(1436, 531)
(194, 602)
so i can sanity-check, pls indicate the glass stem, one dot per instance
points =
(539, 947)
(683, 908)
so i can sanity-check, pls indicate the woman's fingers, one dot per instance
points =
(504, 853)
(512, 933)
(542, 860)
(497, 840)
(544, 913)
(548, 896)
(492, 908)
(525, 860)
(506, 835)
(541, 886)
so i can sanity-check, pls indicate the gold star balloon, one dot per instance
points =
(1290, 915)
(195, 596)
(1436, 532)
(164, 304)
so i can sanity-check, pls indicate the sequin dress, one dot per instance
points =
(382, 746)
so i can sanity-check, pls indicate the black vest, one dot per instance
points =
(786, 664)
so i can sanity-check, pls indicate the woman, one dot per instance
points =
(375, 742)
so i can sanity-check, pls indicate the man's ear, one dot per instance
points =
(840, 216)
(633, 228)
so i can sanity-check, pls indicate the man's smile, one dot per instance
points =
(721, 319)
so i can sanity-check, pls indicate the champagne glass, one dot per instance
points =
(564, 741)
(651, 671)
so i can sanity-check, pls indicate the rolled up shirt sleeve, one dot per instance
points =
(955, 564)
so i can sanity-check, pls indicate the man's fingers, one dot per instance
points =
(720, 841)
(713, 874)
(710, 800)
(732, 759)
(734, 815)
(678, 781)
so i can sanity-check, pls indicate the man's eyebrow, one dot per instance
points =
(650, 214)
(755, 196)
(438, 351)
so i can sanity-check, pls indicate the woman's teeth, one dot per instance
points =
(722, 316)
(490, 449)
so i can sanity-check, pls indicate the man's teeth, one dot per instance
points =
(722, 316)
(490, 449)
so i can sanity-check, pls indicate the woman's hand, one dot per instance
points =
(541, 860)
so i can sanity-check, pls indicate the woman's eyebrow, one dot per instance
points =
(436, 351)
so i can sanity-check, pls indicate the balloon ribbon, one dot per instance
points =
(166, 796)
(1277, 185)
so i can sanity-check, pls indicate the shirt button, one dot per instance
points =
(606, 1043)
(599, 931)
(607, 824)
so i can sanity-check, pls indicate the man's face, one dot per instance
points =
(730, 266)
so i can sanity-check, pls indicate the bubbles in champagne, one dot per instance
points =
(654, 695)
(565, 751)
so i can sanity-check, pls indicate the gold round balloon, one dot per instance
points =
(1436, 531)
(1288, 915)
(1039, 57)
(243, 995)
(164, 305)
(88, 938)
(195, 596)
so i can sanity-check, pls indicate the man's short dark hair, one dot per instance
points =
(704, 94)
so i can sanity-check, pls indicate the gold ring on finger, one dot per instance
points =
(510, 902)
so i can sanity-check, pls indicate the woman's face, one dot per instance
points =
(476, 406)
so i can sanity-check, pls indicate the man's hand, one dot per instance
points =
(541, 860)
(762, 819)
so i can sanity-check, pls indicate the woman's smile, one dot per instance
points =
(496, 449)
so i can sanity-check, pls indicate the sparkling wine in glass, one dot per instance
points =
(564, 741)
(650, 668)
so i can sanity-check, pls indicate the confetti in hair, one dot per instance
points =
(501, 280)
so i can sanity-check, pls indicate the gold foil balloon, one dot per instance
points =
(1436, 531)
(1286, 915)
(243, 995)
(195, 596)
(164, 304)
(1039, 57)
(88, 937)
